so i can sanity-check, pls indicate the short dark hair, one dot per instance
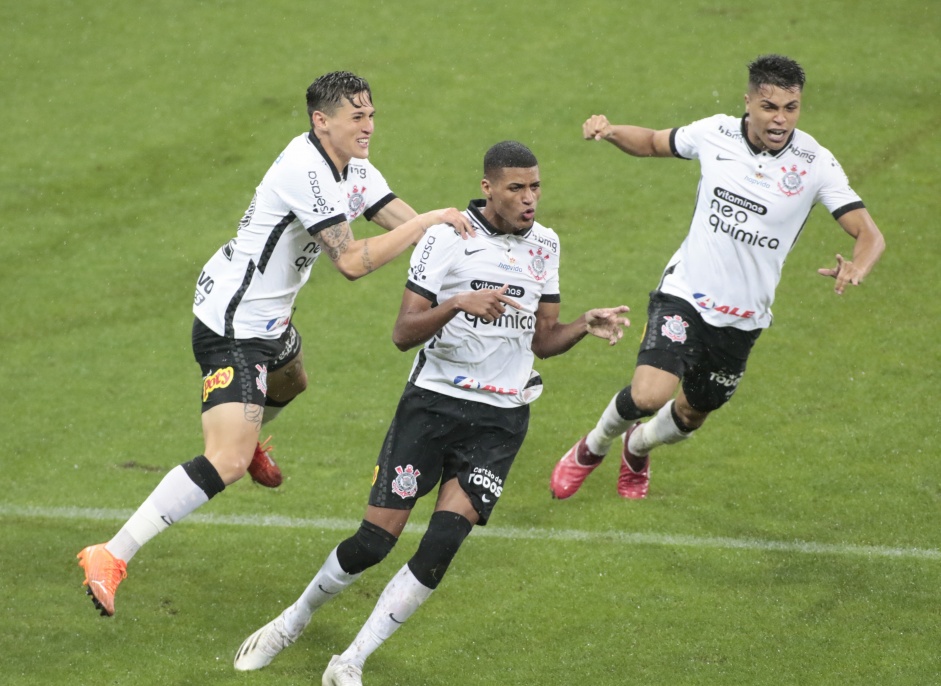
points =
(329, 91)
(508, 154)
(775, 70)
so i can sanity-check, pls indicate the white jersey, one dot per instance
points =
(492, 362)
(247, 288)
(751, 207)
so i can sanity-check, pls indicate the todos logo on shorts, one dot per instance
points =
(220, 378)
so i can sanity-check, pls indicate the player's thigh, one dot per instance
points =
(652, 388)
(453, 498)
(391, 520)
(230, 431)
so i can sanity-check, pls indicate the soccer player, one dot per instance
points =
(481, 309)
(761, 176)
(245, 296)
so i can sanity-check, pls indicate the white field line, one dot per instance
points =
(510, 533)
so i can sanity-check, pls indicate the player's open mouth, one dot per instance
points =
(362, 142)
(529, 214)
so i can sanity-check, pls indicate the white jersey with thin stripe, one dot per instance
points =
(247, 288)
(751, 207)
(468, 358)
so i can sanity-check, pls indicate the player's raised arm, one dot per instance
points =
(397, 212)
(356, 258)
(554, 338)
(634, 140)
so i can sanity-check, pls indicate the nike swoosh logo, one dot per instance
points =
(166, 519)
(100, 583)
(485, 498)
(320, 586)
(720, 158)
(471, 252)
(392, 617)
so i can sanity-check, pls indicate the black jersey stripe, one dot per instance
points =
(326, 224)
(236, 299)
(371, 211)
(858, 205)
(423, 292)
(676, 153)
(418, 366)
(273, 239)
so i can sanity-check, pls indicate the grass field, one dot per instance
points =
(795, 540)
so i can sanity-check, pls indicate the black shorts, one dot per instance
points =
(709, 359)
(236, 370)
(434, 438)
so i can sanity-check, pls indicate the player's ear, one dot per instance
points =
(485, 187)
(318, 120)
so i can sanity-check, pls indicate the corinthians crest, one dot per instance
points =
(675, 328)
(405, 485)
(791, 183)
(355, 201)
(537, 265)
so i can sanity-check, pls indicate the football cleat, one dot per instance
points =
(341, 674)
(633, 484)
(259, 649)
(569, 474)
(103, 573)
(263, 469)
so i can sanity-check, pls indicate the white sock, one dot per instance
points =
(326, 584)
(661, 430)
(400, 598)
(174, 498)
(610, 426)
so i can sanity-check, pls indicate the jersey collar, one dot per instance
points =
(755, 149)
(337, 176)
(475, 210)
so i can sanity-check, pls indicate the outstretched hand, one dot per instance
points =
(605, 322)
(845, 272)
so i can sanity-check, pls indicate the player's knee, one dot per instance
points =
(446, 532)
(636, 403)
(367, 547)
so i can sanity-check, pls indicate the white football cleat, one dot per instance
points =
(342, 674)
(259, 649)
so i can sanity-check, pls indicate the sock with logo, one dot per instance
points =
(329, 581)
(618, 417)
(184, 489)
(664, 429)
(399, 600)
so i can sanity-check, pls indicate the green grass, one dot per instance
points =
(793, 541)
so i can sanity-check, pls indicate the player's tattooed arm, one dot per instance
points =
(367, 260)
(335, 240)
